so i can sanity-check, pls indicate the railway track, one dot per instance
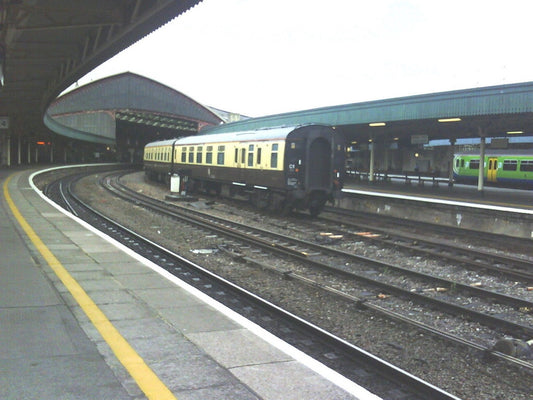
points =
(387, 235)
(386, 279)
(377, 375)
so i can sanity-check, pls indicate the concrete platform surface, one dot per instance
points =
(83, 318)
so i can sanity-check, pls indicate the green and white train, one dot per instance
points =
(502, 168)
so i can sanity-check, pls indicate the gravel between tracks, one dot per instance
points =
(465, 374)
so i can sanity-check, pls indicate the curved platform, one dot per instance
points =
(81, 317)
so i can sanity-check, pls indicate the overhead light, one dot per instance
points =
(449, 120)
(514, 132)
(396, 138)
(377, 124)
(354, 142)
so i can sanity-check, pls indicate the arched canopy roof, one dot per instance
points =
(90, 112)
(46, 45)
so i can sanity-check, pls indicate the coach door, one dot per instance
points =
(319, 164)
(492, 169)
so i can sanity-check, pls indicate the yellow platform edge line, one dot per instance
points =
(143, 375)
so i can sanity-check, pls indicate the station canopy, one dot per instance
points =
(494, 111)
(94, 112)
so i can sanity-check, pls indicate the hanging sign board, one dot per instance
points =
(419, 139)
(4, 122)
(497, 143)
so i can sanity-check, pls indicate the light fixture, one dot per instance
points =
(377, 124)
(449, 119)
(354, 142)
(514, 132)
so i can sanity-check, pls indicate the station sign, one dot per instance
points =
(4, 122)
(419, 139)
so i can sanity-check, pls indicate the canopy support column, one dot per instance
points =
(481, 174)
(371, 168)
(8, 161)
(19, 151)
(452, 154)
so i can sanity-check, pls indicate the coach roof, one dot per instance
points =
(240, 136)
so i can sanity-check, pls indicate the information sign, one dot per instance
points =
(4, 122)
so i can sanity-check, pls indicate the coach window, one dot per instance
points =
(258, 159)
(220, 155)
(209, 155)
(199, 154)
(191, 154)
(526, 165)
(243, 155)
(510, 165)
(184, 154)
(251, 155)
(474, 164)
(274, 156)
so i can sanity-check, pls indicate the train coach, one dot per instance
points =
(284, 168)
(510, 168)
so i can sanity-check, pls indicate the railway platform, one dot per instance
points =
(497, 210)
(438, 189)
(83, 318)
